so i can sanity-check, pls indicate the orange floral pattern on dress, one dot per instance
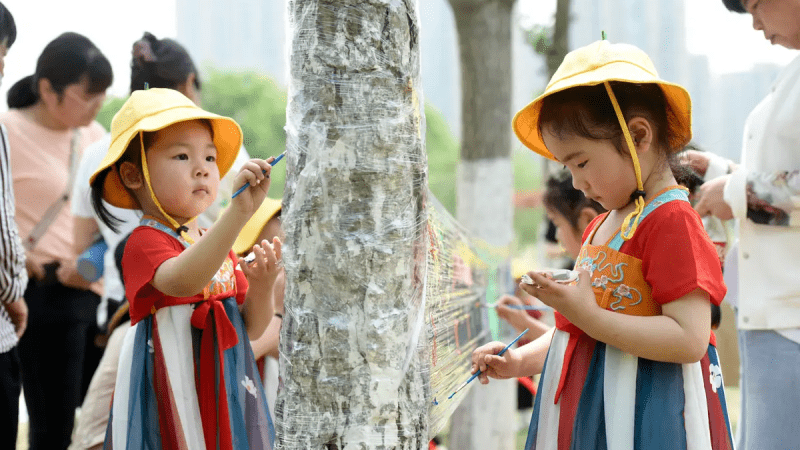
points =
(223, 281)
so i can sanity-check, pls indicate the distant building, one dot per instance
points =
(235, 34)
(251, 34)
(720, 104)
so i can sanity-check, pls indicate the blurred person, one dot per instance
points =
(13, 276)
(265, 225)
(155, 63)
(761, 193)
(50, 121)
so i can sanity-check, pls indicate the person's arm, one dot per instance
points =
(267, 343)
(519, 318)
(13, 272)
(679, 335)
(261, 275)
(188, 273)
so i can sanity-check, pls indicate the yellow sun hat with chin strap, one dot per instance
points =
(602, 63)
(153, 110)
(252, 229)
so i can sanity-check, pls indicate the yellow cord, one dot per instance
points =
(631, 222)
(172, 221)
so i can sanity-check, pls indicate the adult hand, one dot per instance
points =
(34, 265)
(697, 161)
(18, 313)
(67, 274)
(711, 199)
(485, 359)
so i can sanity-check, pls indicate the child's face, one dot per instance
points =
(777, 19)
(568, 236)
(182, 161)
(598, 169)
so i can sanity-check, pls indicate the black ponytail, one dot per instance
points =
(66, 60)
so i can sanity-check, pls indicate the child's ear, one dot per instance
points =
(130, 175)
(585, 217)
(642, 133)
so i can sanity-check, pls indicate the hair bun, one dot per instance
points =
(143, 51)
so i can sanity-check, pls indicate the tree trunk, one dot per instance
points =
(486, 419)
(555, 55)
(353, 216)
(560, 42)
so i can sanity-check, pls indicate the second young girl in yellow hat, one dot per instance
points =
(631, 362)
(187, 376)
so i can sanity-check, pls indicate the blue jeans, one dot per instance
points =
(770, 390)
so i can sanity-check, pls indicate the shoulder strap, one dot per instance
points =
(665, 197)
(163, 228)
(52, 212)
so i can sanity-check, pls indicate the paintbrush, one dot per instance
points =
(274, 161)
(479, 372)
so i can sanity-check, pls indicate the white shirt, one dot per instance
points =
(82, 207)
(769, 255)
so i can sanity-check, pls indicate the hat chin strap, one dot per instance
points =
(631, 222)
(182, 229)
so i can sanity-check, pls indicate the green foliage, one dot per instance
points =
(258, 104)
(527, 178)
(443, 155)
(110, 107)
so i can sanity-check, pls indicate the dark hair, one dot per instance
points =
(587, 112)
(8, 28)
(734, 5)
(132, 154)
(64, 61)
(563, 198)
(685, 175)
(161, 63)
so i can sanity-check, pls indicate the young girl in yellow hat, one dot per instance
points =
(631, 362)
(187, 376)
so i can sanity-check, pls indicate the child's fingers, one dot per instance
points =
(245, 268)
(277, 245)
(269, 252)
(264, 167)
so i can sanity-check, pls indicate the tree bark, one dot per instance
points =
(354, 214)
(486, 419)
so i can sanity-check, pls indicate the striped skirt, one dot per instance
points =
(613, 400)
(156, 402)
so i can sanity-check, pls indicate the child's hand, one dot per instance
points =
(517, 318)
(256, 172)
(573, 301)
(485, 359)
(262, 271)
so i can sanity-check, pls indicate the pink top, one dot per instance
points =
(39, 170)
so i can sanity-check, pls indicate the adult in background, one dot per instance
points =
(762, 193)
(50, 121)
(13, 277)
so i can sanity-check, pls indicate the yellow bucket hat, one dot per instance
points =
(252, 229)
(601, 63)
(153, 110)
